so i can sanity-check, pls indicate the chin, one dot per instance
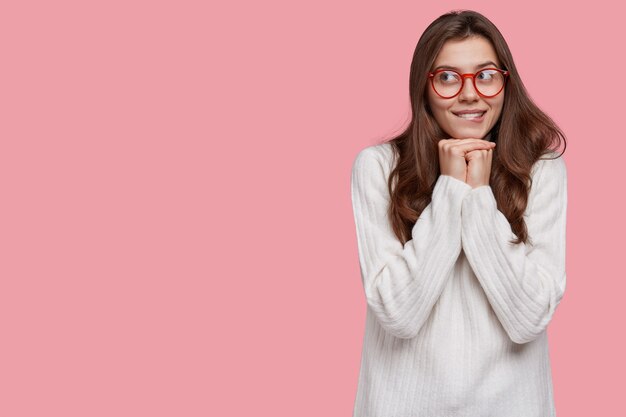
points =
(469, 134)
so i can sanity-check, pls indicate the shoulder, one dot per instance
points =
(373, 159)
(549, 180)
(551, 165)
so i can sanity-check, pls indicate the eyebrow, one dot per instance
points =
(484, 64)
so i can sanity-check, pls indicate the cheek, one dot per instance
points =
(437, 106)
(499, 108)
(430, 100)
(434, 101)
(496, 107)
(501, 101)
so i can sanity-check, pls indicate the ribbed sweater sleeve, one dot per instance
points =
(403, 282)
(524, 283)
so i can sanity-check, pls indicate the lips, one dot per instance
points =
(472, 111)
(469, 111)
(476, 117)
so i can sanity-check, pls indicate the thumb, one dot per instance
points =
(470, 155)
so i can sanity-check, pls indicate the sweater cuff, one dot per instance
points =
(482, 198)
(452, 191)
(480, 214)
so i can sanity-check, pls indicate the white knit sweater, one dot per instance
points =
(456, 318)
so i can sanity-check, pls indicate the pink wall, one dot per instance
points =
(177, 235)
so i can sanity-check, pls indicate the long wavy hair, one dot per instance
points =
(523, 132)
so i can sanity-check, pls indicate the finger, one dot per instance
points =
(466, 140)
(484, 154)
(468, 147)
(447, 146)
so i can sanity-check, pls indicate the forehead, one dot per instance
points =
(466, 54)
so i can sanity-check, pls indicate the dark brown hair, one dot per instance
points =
(523, 132)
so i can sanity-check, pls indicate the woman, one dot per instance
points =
(460, 226)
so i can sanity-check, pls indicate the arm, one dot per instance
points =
(403, 282)
(524, 283)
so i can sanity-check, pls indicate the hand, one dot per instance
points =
(453, 155)
(478, 167)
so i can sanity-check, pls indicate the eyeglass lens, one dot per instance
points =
(449, 83)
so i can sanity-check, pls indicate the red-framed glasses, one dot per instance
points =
(488, 82)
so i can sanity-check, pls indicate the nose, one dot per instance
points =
(468, 92)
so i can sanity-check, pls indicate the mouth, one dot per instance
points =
(472, 117)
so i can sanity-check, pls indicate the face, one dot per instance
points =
(466, 56)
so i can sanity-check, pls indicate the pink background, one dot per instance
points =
(177, 236)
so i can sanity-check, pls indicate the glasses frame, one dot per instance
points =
(431, 75)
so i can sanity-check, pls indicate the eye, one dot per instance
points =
(448, 77)
(486, 75)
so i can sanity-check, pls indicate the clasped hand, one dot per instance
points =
(468, 160)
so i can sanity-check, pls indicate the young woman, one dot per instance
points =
(460, 225)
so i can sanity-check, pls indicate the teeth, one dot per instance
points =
(470, 115)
